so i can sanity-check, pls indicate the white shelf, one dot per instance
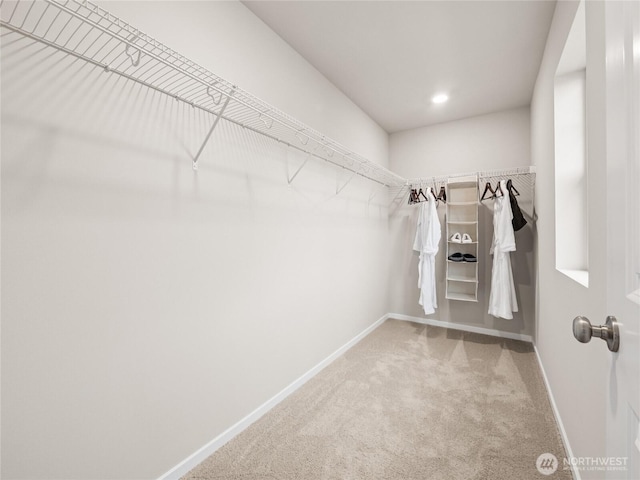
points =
(456, 222)
(85, 31)
(464, 297)
(462, 204)
(457, 278)
(468, 181)
(466, 243)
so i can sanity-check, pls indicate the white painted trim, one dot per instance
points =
(580, 276)
(556, 413)
(198, 456)
(467, 328)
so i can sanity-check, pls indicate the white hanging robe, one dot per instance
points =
(426, 242)
(502, 301)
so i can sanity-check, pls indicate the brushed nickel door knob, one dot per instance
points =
(609, 332)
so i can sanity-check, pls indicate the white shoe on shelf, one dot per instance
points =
(456, 238)
(466, 238)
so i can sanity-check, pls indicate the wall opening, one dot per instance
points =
(571, 173)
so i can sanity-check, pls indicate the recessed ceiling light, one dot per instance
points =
(440, 98)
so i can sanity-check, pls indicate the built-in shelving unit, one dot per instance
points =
(462, 218)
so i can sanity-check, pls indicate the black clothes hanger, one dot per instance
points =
(413, 196)
(442, 195)
(417, 196)
(512, 189)
(487, 188)
(499, 187)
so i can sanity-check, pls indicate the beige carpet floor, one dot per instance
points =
(408, 402)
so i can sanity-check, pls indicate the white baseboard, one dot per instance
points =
(556, 413)
(198, 456)
(466, 328)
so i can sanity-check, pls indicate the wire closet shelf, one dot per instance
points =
(523, 178)
(88, 32)
(484, 175)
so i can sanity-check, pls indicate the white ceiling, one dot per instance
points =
(391, 57)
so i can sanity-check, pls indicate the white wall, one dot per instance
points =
(575, 371)
(145, 308)
(494, 141)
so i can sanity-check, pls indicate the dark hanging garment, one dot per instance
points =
(518, 220)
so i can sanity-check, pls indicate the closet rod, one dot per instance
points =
(142, 59)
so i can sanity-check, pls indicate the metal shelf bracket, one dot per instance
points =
(295, 174)
(340, 189)
(213, 127)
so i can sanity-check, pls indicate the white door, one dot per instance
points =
(613, 145)
(622, 34)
